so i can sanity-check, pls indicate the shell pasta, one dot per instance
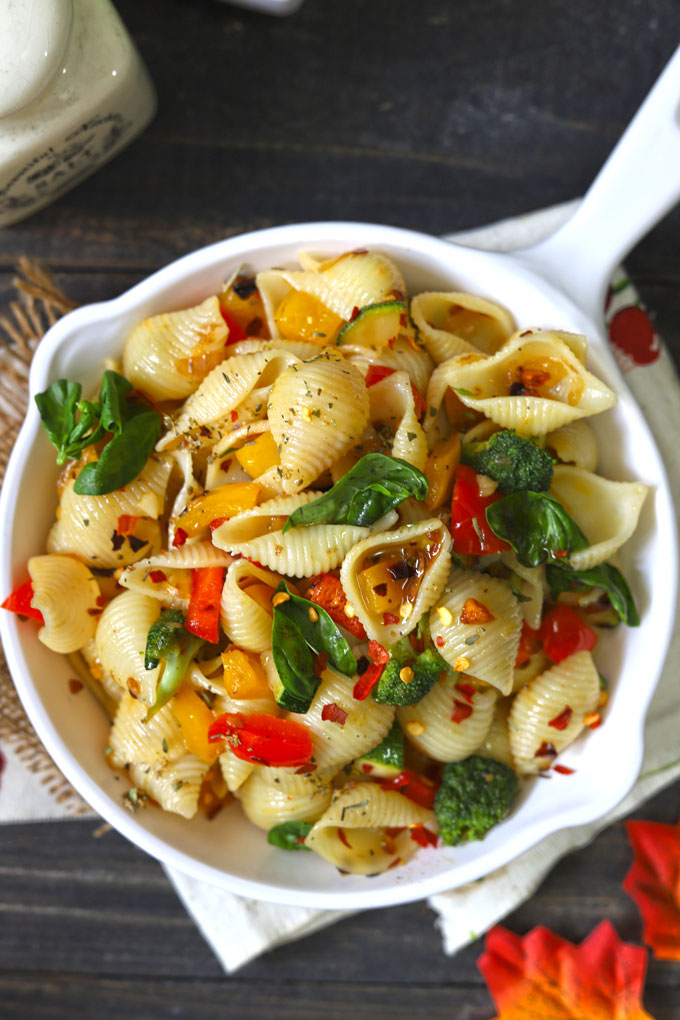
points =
(363, 557)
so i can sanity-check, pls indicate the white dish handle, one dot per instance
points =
(639, 183)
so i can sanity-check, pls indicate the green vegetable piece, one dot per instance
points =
(390, 751)
(537, 527)
(427, 668)
(374, 325)
(516, 463)
(289, 835)
(475, 794)
(369, 490)
(123, 458)
(71, 424)
(605, 576)
(169, 644)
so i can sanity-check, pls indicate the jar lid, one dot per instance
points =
(33, 39)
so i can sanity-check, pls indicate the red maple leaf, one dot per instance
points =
(654, 883)
(544, 977)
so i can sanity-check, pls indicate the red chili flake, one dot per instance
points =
(214, 525)
(390, 618)
(234, 415)
(417, 643)
(343, 839)
(395, 831)
(593, 720)
(377, 653)
(180, 537)
(467, 690)
(560, 554)
(117, 541)
(367, 681)
(126, 524)
(461, 711)
(366, 767)
(546, 751)
(101, 600)
(422, 836)
(395, 863)
(355, 312)
(561, 721)
(475, 612)
(94, 612)
(440, 642)
(157, 576)
(256, 563)
(320, 663)
(333, 713)
(303, 770)
(563, 770)
(75, 686)
(225, 464)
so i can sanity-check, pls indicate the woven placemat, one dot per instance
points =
(38, 304)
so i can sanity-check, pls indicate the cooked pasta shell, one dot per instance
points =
(537, 663)
(245, 612)
(302, 349)
(234, 770)
(476, 625)
(121, 642)
(530, 583)
(606, 512)
(572, 687)
(88, 664)
(575, 444)
(551, 385)
(352, 280)
(67, 595)
(317, 410)
(86, 525)
(424, 547)
(496, 744)
(352, 834)
(402, 357)
(167, 575)
(175, 786)
(458, 323)
(168, 355)
(133, 740)
(392, 406)
(270, 796)
(257, 534)
(439, 726)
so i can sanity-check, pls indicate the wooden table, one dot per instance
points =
(431, 115)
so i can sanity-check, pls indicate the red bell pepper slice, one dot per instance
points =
(471, 533)
(19, 602)
(264, 739)
(367, 681)
(325, 590)
(376, 374)
(417, 788)
(563, 633)
(236, 331)
(203, 615)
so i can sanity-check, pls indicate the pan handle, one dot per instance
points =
(636, 187)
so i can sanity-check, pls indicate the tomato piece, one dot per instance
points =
(325, 590)
(529, 644)
(417, 788)
(264, 739)
(376, 374)
(236, 331)
(563, 633)
(203, 615)
(19, 602)
(470, 530)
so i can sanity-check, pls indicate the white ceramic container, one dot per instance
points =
(73, 93)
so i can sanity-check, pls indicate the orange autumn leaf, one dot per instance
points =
(654, 883)
(544, 977)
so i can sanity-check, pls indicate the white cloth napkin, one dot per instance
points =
(238, 929)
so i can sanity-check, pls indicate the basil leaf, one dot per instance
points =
(58, 406)
(605, 576)
(122, 458)
(321, 633)
(115, 409)
(369, 490)
(289, 835)
(295, 665)
(537, 527)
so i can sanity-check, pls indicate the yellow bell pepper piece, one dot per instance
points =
(258, 456)
(440, 470)
(380, 592)
(301, 316)
(244, 676)
(194, 716)
(224, 501)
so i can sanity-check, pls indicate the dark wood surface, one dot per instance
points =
(431, 115)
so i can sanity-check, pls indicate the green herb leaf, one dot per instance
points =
(605, 576)
(373, 487)
(294, 663)
(289, 835)
(123, 458)
(115, 409)
(537, 527)
(71, 424)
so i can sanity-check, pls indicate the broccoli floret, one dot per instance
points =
(516, 463)
(475, 794)
(426, 667)
(169, 645)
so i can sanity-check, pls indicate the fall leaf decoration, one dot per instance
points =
(654, 883)
(544, 977)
